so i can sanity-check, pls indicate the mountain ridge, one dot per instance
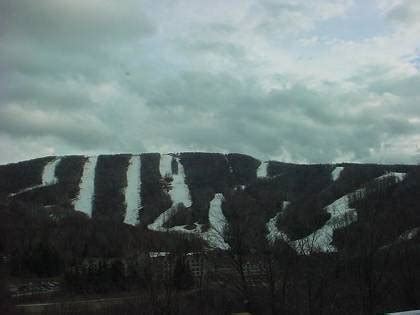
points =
(175, 191)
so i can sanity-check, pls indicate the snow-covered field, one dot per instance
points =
(83, 202)
(48, 177)
(132, 191)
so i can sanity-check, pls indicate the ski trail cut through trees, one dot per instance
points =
(84, 201)
(177, 189)
(273, 233)
(341, 215)
(48, 177)
(218, 223)
(132, 191)
(335, 174)
(262, 170)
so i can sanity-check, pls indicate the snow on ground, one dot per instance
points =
(178, 191)
(83, 202)
(132, 191)
(335, 174)
(157, 225)
(398, 176)
(214, 235)
(48, 177)
(218, 223)
(405, 236)
(341, 215)
(262, 169)
(415, 312)
(410, 234)
(273, 232)
(217, 219)
(158, 254)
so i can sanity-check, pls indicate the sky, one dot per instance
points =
(290, 80)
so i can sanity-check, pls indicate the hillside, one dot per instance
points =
(285, 237)
(177, 192)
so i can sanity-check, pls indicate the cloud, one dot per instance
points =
(257, 77)
(405, 13)
(71, 23)
(78, 128)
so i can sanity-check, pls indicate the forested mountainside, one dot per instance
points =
(186, 192)
(324, 231)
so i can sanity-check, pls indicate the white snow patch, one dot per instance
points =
(409, 235)
(214, 235)
(262, 169)
(218, 223)
(177, 190)
(341, 215)
(48, 177)
(158, 254)
(239, 187)
(132, 191)
(273, 232)
(398, 176)
(216, 217)
(157, 225)
(83, 202)
(335, 174)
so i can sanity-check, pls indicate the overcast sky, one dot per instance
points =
(290, 80)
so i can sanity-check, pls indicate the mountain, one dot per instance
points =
(316, 207)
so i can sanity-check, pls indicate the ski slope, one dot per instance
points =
(48, 177)
(341, 215)
(218, 224)
(273, 233)
(132, 191)
(178, 191)
(83, 201)
(213, 236)
(262, 170)
(335, 174)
